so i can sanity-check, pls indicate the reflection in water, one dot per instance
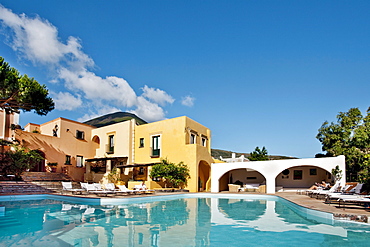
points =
(182, 222)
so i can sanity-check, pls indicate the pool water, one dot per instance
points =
(209, 221)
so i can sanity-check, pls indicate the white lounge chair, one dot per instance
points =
(323, 193)
(67, 186)
(142, 188)
(357, 200)
(124, 189)
(83, 185)
(92, 188)
(111, 187)
(354, 192)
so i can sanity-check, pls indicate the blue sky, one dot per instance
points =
(257, 73)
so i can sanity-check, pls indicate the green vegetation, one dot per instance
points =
(114, 176)
(19, 92)
(15, 162)
(114, 118)
(337, 173)
(172, 175)
(350, 136)
(259, 154)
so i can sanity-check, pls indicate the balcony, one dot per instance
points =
(155, 153)
(109, 149)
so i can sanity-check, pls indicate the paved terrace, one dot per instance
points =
(349, 212)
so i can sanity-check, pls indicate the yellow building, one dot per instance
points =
(178, 139)
(87, 153)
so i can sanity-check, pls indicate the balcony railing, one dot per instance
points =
(109, 149)
(156, 152)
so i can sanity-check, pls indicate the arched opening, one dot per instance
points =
(302, 177)
(40, 166)
(96, 139)
(204, 172)
(241, 176)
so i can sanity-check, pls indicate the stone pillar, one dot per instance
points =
(109, 166)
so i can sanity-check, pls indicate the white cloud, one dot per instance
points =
(188, 101)
(111, 89)
(66, 101)
(156, 95)
(101, 111)
(37, 40)
(152, 112)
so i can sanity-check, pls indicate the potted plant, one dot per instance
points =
(53, 166)
(115, 177)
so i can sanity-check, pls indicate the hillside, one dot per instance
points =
(216, 153)
(113, 118)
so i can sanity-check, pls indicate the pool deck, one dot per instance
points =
(349, 212)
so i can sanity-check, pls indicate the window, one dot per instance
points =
(204, 142)
(80, 135)
(110, 147)
(55, 131)
(193, 138)
(156, 146)
(313, 172)
(141, 145)
(79, 161)
(68, 160)
(298, 174)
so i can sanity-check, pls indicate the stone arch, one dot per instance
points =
(303, 176)
(204, 176)
(272, 168)
(243, 175)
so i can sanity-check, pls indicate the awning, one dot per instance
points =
(106, 158)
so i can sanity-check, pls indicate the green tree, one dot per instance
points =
(349, 136)
(19, 92)
(172, 174)
(259, 154)
(18, 160)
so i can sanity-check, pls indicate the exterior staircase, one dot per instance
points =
(21, 187)
(45, 176)
(35, 183)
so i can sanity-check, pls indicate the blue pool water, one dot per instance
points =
(191, 220)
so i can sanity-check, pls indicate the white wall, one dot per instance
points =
(272, 168)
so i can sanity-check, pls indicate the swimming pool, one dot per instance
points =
(174, 220)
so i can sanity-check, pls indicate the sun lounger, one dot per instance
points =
(111, 187)
(67, 186)
(83, 185)
(310, 193)
(92, 188)
(346, 193)
(124, 189)
(355, 190)
(142, 188)
(364, 201)
(323, 193)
